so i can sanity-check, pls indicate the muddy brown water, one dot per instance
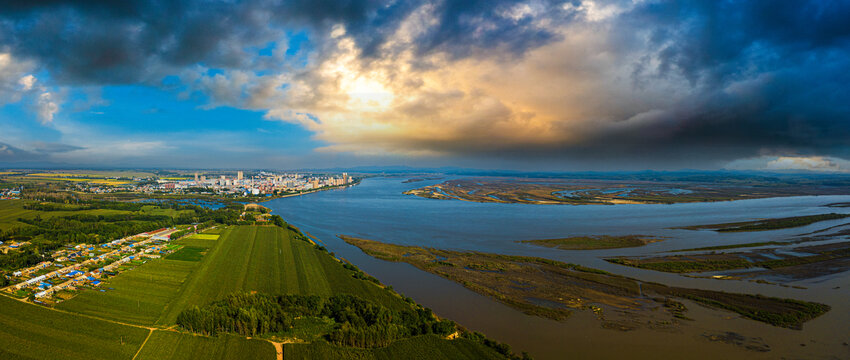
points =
(376, 209)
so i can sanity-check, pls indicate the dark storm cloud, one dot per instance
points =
(131, 41)
(714, 38)
(771, 76)
(11, 154)
(482, 22)
(51, 148)
(111, 42)
(744, 77)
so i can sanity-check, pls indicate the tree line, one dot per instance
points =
(357, 322)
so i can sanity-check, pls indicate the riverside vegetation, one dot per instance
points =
(768, 224)
(594, 242)
(550, 288)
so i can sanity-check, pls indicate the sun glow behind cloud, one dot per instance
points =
(629, 83)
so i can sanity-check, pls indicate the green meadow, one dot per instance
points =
(246, 258)
(188, 253)
(170, 345)
(205, 236)
(268, 259)
(137, 296)
(29, 331)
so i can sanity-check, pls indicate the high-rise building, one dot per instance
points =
(239, 175)
(203, 178)
(196, 177)
(345, 178)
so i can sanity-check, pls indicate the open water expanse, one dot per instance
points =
(376, 209)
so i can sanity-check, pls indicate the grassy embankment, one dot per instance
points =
(594, 242)
(518, 280)
(768, 224)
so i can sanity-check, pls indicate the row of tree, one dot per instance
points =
(358, 322)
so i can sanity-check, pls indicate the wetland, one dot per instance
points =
(378, 210)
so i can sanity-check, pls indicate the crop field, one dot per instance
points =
(188, 253)
(216, 231)
(59, 177)
(170, 345)
(247, 258)
(31, 332)
(205, 236)
(266, 259)
(10, 211)
(94, 173)
(139, 295)
(191, 241)
(422, 347)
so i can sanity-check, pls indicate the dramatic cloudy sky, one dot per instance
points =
(544, 85)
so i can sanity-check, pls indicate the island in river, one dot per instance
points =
(594, 242)
(583, 191)
(551, 288)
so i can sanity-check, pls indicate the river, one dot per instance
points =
(376, 209)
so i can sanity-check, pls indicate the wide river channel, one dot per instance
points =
(376, 209)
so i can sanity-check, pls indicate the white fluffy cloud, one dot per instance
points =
(792, 163)
(18, 84)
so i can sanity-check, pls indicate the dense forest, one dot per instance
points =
(51, 233)
(358, 322)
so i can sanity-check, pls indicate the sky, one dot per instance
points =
(495, 84)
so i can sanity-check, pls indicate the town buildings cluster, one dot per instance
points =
(260, 184)
(83, 265)
(10, 194)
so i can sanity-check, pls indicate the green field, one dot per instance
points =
(267, 259)
(216, 230)
(188, 253)
(205, 236)
(426, 347)
(139, 295)
(245, 258)
(31, 332)
(190, 241)
(170, 345)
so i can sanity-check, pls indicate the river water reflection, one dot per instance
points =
(376, 209)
